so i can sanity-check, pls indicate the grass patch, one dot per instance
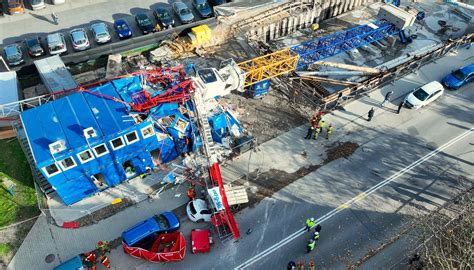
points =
(5, 249)
(14, 168)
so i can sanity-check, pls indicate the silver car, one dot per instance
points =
(13, 54)
(101, 33)
(184, 13)
(80, 41)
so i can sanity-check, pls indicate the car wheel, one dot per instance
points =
(200, 220)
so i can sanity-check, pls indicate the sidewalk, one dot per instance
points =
(282, 153)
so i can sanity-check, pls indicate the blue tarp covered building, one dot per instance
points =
(84, 142)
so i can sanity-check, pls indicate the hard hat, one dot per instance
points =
(312, 219)
(331, 125)
(100, 243)
(316, 233)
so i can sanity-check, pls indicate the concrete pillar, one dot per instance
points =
(284, 25)
(265, 33)
(277, 30)
(351, 4)
(272, 31)
(259, 33)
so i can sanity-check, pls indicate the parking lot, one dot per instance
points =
(19, 27)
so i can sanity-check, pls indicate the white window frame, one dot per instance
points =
(53, 174)
(67, 168)
(103, 154)
(134, 141)
(85, 161)
(116, 148)
(149, 135)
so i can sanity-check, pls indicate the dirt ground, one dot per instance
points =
(265, 184)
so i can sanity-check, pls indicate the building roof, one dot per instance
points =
(67, 117)
(8, 87)
(54, 74)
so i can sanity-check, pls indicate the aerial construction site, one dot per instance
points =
(304, 134)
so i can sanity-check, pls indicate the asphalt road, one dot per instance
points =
(82, 14)
(407, 165)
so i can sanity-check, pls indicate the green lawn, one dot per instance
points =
(14, 167)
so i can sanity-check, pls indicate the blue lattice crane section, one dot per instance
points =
(318, 49)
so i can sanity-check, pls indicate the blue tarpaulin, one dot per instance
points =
(76, 189)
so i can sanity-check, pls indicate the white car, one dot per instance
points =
(79, 39)
(197, 210)
(56, 43)
(424, 95)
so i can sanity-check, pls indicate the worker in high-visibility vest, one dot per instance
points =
(105, 261)
(329, 131)
(309, 224)
(316, 236)
(103, 247)
(311, 245)
(322, 125)
(89, 260)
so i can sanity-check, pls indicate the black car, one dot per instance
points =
(34, 47)
(144, 23)
(163, 16)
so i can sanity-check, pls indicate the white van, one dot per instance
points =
(56, 43)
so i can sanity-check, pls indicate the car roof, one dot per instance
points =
(200, 204)
(141, 16)
(162, 10)
(432, 87)
(12, 48)
(200, 1)
(78, 34)
(140, 231)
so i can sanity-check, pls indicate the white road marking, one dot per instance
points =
(357, 198)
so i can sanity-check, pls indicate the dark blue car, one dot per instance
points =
(460, 77)
(142, 232)
(122, 29)
(164, 17)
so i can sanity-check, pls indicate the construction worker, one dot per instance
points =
(311, 265)
(329, 131)
(371, 114)
(309, 224)
(387, 98)
(312, 127)
(311, 245)
(191, 192)
(291, 265)
(316, 130)
(105, 261)
(322, 124)
(89, 260)
(103, 247)
(316, 236)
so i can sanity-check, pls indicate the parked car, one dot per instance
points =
(144, 23)
(164, 17)
(165, 222)
(184, 13)
(15, 6)
(203, 8)
(56, 43)
(197, 210)
(100, 32)
(122, 29)
(13, 54)
(34, 47)
(459, 77)
(218, 2)
(37, 4)
(79, 39)
(424, 95)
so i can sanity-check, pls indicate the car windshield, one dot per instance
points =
(164, 15)
(144, 21)
(191, 207)
(78, 37)
(184, 11)
(202, 5)
(162, 222)
(122, 27)
(420, 94)
(458, 74)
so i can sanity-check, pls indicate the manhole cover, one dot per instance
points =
(49, 258)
